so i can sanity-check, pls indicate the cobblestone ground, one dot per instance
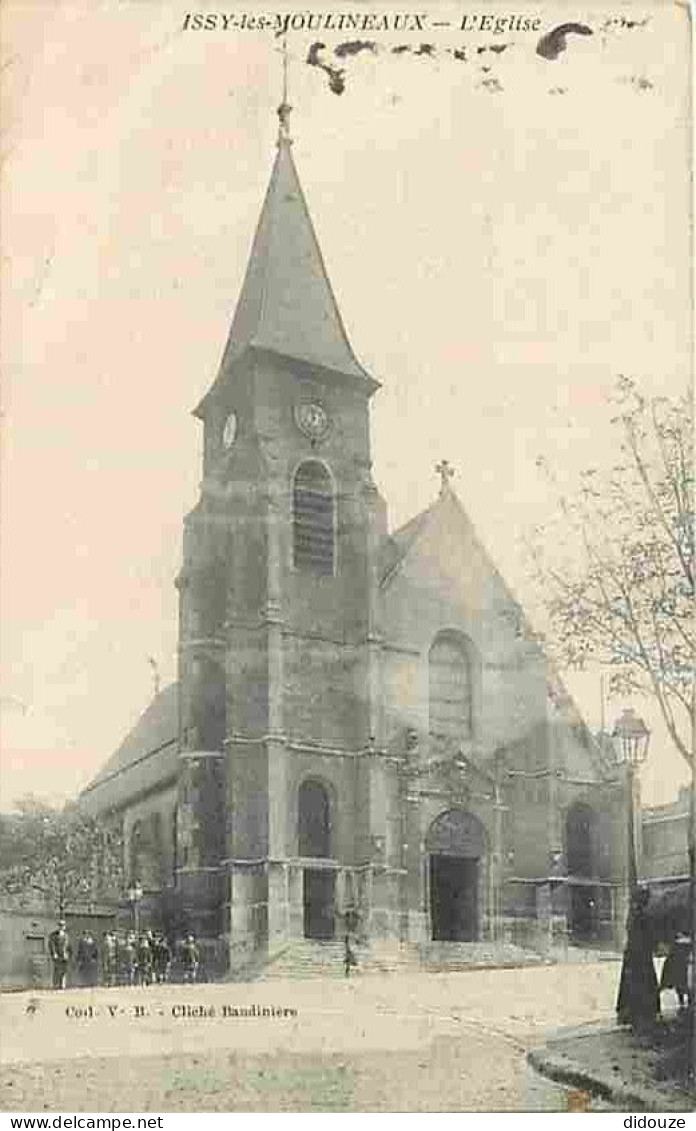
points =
(450, 1042)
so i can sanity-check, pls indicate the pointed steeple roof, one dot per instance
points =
(286, 303)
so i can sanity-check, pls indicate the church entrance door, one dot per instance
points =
(457, 846)
(318, 903)
(454, 884)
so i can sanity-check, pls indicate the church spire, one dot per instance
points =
(287, 304)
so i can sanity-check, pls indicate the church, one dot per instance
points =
(365, 735)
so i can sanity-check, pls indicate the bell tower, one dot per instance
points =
(279, 633)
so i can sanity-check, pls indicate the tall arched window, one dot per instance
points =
(450, 687)
(313, 519)
(146, 851)
(314, 820)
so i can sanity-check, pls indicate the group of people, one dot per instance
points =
(639, 989)
(123, 959)
(132, 959)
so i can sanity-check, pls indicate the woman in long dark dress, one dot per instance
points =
(638, 1002)
(675, 972)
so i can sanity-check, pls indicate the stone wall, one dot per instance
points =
(665, 839)
(24, 931)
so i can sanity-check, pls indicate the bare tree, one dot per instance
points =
(617, 564)
(62, 855)
(617, 570)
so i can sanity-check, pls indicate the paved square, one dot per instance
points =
(412, 1042)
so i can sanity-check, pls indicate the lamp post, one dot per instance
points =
(135, 894)
(631, 739)
(638, 997)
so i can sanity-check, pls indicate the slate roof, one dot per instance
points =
(146, 759)
(398, 544)
(400, 541)
(287, 304)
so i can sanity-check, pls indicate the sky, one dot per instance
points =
(502, 242)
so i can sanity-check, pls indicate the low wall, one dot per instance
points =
(24, 959)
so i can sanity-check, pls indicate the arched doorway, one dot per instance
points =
(456, 845)
(314, 842)
(581, 837)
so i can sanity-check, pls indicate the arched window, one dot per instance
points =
(146, 851)
(314, 820)
(450, 687)
(313, 519)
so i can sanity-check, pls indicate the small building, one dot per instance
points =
(665, 832)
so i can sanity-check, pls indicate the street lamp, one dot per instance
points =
(638, 998)
(135, 894)
(631, 738)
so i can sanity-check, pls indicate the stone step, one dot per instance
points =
(310, 958)
(306, 959)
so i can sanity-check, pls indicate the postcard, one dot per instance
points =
(347, 558)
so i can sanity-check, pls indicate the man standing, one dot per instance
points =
(59, 950)
(87, 959)
(349, 959)
(190, 958)
(128, 953)
(109, 958)
(161, 958)
(145, 959)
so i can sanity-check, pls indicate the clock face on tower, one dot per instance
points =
(312, 419)
(229, 431)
